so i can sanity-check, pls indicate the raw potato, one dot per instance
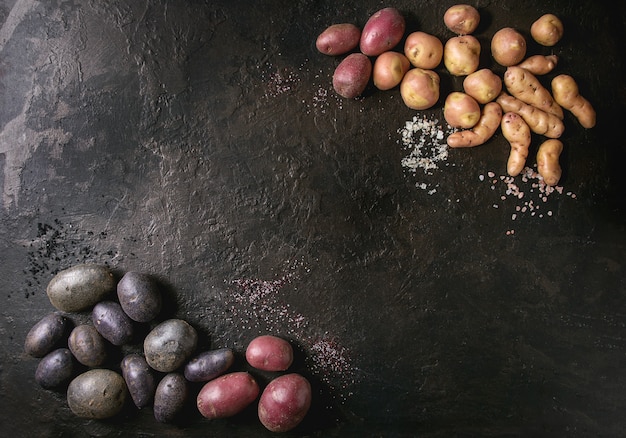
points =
(525, 86)
(112, 323)
(461, 55)
(139, 296)
(45, 335)
(419, 89)
(382, 32)
(80, 287)
(169, 397)
(55, 368)
(139, 379)
(97, 394)
(269, 353)
(548, 161)
(566, 93)
(227, 395)
(352, 75)
(285, 402)
(87, 345)
(547, 30)
(517, 132)
(170, 344)
(389, 69)
(461, 110)
(423, 50)
(508, 47)
(209, 365)
(338, 39)
(461, 19)
(483, 85)
(483, 131)
(539, 64)
(540, 122)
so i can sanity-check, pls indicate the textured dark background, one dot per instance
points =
(202, 142)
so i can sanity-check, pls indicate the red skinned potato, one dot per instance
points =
(461, 19)
(423, 50)
(285, 402)
(461, 110)
(461, 55)
(352, 75)
(483, 85)
(547, 30)
(269, 353)
(508, 47)
(420, 88)
(338, 39)
(227, 395)
(389, 69)
(382, 32)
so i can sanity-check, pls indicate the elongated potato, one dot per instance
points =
(483, 130)
(565, 92)
(540, 122)
(338, 39)
(539, 64)
(382, 32)
(548, 161)
(525, 86)
(517, 132)
(352, 75)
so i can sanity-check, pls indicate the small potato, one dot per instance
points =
(46, 334)
(461, 110)
(87, 345)
(389, 69)
(419, 89)
(352, 75)
(112, 323)
(540, 122)
(169, 345)
(525, 86)
(338, 39)
(227, 395)
(461, 19)
(209, 365)
(269, 353)
(285, 402)
(517, 132)
(547, 30)
(139, 296)
(483, 130)
(508, 47)
(540, 64)
(483, 85)
(170, 396)
(55, 369)
(97, 394)
(382, 32)
(566, 93)
(423, 50)
(80, 287)
(548, 165)
(139, 379)
(461, 55)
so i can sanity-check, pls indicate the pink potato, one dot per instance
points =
(547, 30)
(461, 110)
(423, 50)
(338, 39)
(419, 88)
(285, 402)
(389, 69)
(508, 47)
(227, 395)
(352, 75)
(269, 353)
(461, 19)
(461, 55)
(382, 32)
(483, 85)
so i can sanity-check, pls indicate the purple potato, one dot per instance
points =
(139, 379)
(45, 335)
(112, 323)
(209, 365)
(55, 368)
(139, 296)
(170, 397)
(87, 345)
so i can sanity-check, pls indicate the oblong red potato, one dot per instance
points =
(227, 395)
(352, 75)
(285, 402)
(382, 32)
(423, 50)
(389, 69)
(338, 39)
(461, 55)
(483, 85)
(461, 110)
(508, 47)
(269, 353)
(547, 30)
(461, 19)
(419, 88)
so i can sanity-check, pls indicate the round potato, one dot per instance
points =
(169, 345)
(269, 353)
(352, 75)
(338, 39)
(461, 19)
(461, 55)
(389, 69)
(423, 50)
(139, 296)
(112, 323)
(483, 85)
(285, 402)
(87, 345)
(419, 89)
(382, 32)
(547, 30)
(170, 396)
(461, 110)
(508, 47)
(209, 365)
(139, 379)
(227, 395)
(80, 287)
(46, 334)
(97, 394)
(55, 369)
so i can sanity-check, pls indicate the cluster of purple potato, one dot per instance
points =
(159, 377)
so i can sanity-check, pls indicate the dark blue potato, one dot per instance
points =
(170, 397)
(139, 379)
(112, 323)
(209, 365)
(45, 335)
(139, 296)
(87, 345)
(169, 345)
(98, 394)
(80, 287)
(55, 369)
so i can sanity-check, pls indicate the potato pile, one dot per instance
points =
(518, 103)
(162, 374)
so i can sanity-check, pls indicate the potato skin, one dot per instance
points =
(227, 395)
(209, 365)
(517, 132)
(139, 379)
(461, 19)
(508, 47)
(423, 50)
(382, 32)
(461, 110)
(547, 30)
(539, 64)
(97, 394)
(338, 39)
(269, 353)
(483, 130)
(139, 296)
(170, 396)
(352, 75)
(80, 287)
(45, 334)
(389, 69)
(461, 55)
(419, 88)
(170, 344)
(112, 323)
(87, 345)
(285, 402)
(525, 86)
(483, 85)
(566, 93)
(55, 368)
(548, 161)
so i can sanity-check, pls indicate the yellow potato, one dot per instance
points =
(548, 161)
(565, 92)
(517, 132)
(540, 122)
(481, 132)
(525, 86)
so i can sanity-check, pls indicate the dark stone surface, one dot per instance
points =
(201, 142)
